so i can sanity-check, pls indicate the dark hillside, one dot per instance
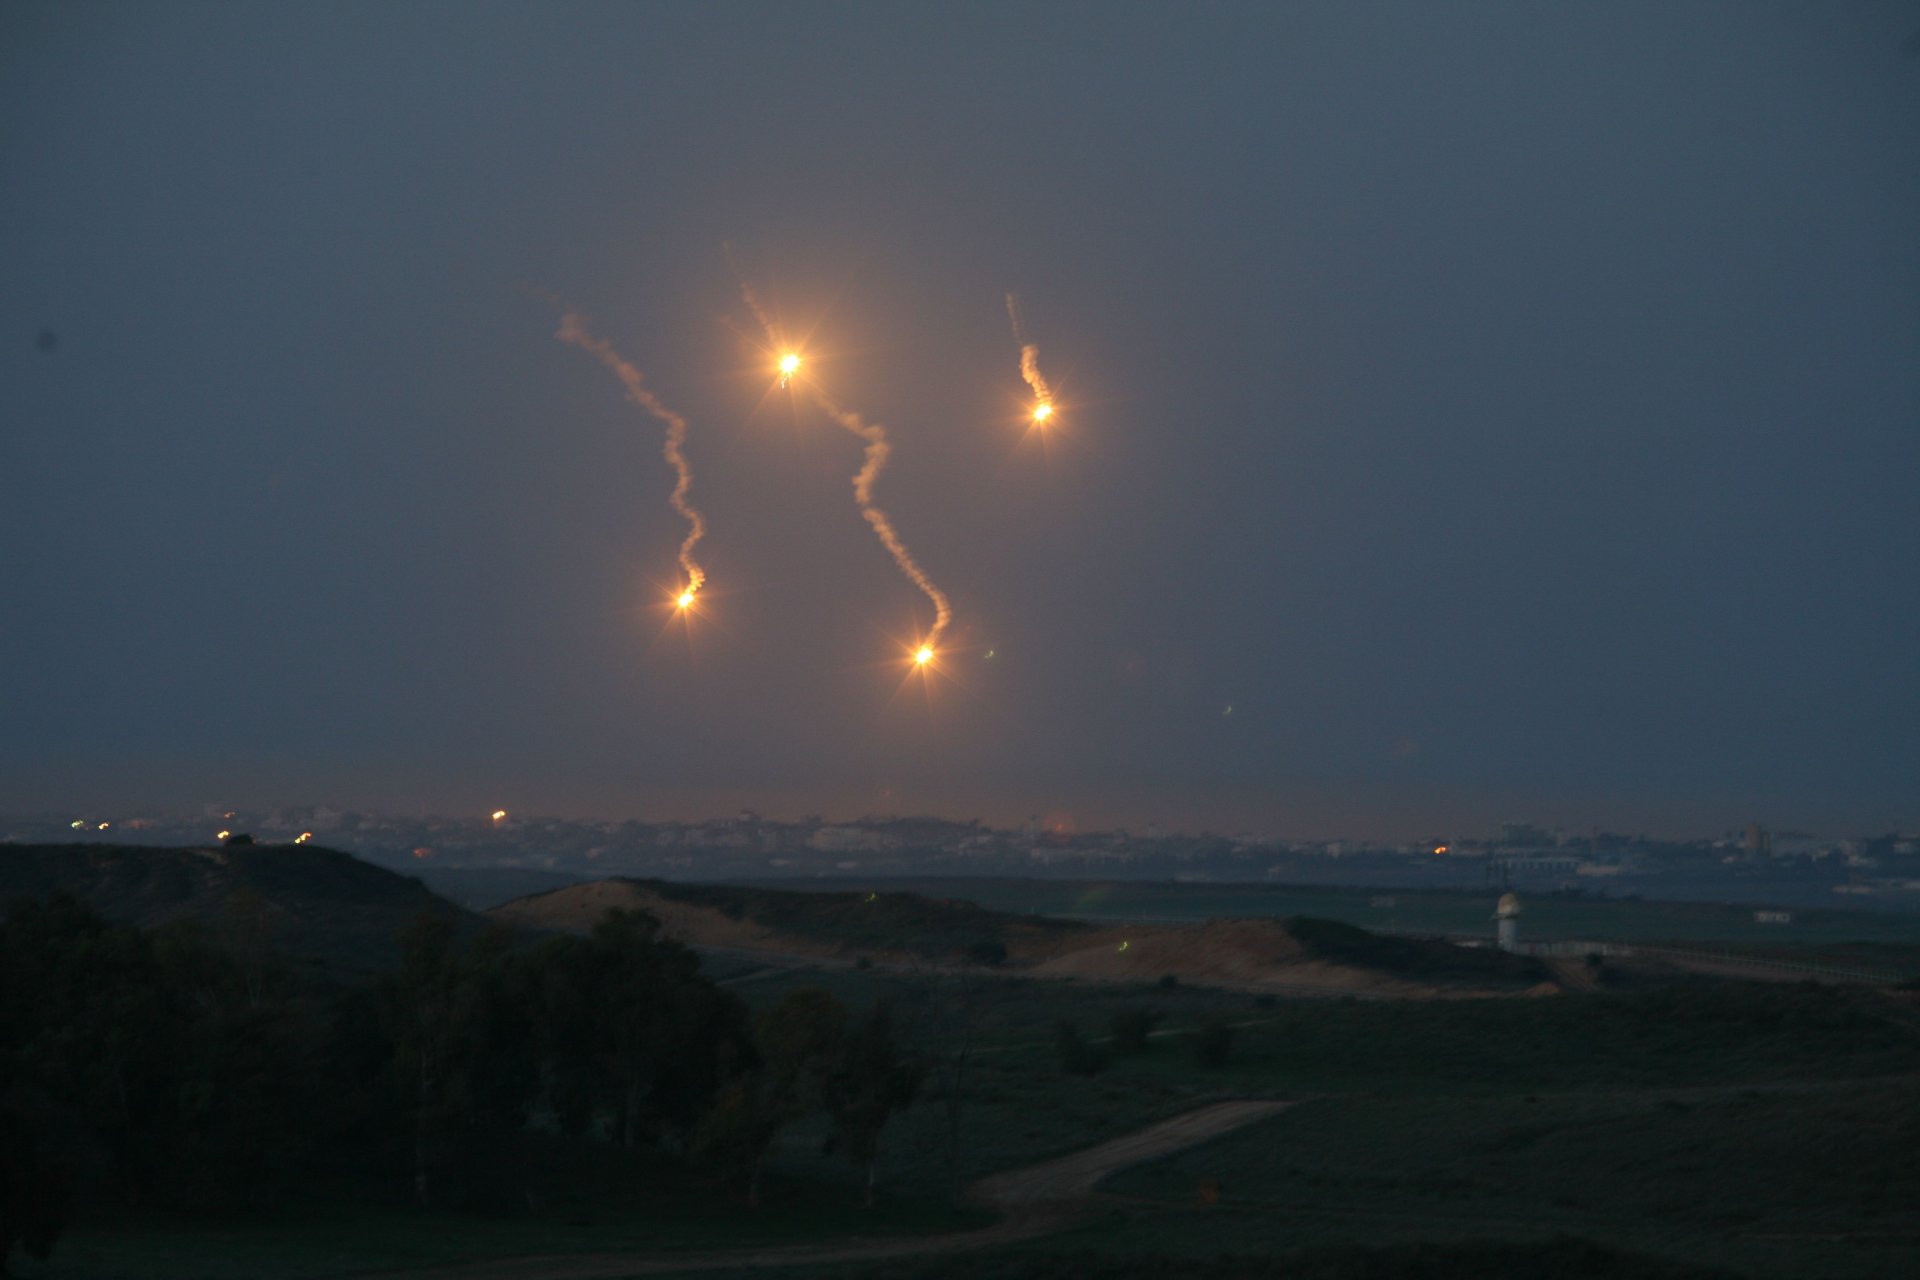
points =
(887, 921)
(1422, 959)
(313, 903)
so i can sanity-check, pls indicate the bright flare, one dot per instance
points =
(1030, 365)
(499, 815)
(685, 599)
(789, 365)
(923, 655)
(303, 837)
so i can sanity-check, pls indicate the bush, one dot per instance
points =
(1212, 1044)
(1131, 1027)
(1078, 1056)
(988, 951)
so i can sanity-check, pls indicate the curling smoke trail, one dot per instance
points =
(574, 329)
(877, 450)
(1029, 357)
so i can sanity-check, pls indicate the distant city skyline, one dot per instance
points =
(125, 819)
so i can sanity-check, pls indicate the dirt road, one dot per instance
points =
(1072, 1178)
(1038, 1200)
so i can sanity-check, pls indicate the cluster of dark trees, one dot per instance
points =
(191, 1068)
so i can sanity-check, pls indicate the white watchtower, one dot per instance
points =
(1507, 916)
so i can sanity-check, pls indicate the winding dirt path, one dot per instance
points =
(1037, 1200)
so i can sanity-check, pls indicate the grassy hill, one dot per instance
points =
(311, 903)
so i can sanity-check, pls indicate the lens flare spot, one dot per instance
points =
(684, 600)
(1041, 412)
(923, 655)
(303, 837)
(789, 365)
(499, 815)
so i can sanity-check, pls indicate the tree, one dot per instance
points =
(1077, 1054)
(629, 1029)
(1131, 1027)
(87, 1016)
(36, 1184)
(796, 1043)
(460, 1045)
(952, 1016)
(868, 1081)
(1212, 1044)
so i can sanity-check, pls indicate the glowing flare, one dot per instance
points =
(1030, 365)
(105, 825)
(923, 655)
(499, 815)
(303, 837)
(873, 463)
(78, 824)
(684, 600)
(222, 835)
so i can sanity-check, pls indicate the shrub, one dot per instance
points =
(988, 951)
(1212, 1044)
(1131, 1027)
(1077, 1055)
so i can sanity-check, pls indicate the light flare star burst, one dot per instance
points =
(1030, 365)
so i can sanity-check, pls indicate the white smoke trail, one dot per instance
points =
(1029, 355)
(877, 451)
(573, 328)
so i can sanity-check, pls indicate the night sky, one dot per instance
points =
(1509, 411)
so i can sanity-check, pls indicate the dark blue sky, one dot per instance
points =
(1509, 410)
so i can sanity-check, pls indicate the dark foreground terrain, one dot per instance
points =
(184, 1099)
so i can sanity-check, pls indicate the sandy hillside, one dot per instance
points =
(1243, 955)
(1251, 955)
